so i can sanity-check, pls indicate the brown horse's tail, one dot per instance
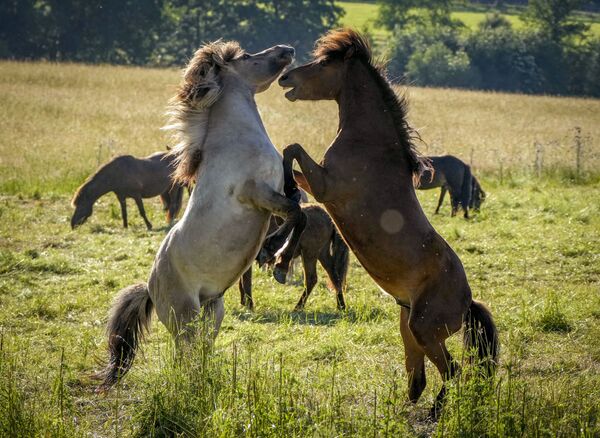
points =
(129, 318)
(481, 333)
(340, 256)
(175, 202)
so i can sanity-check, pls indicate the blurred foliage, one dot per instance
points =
(551, 55)
(154, 31)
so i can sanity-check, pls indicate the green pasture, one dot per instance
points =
(362, 15)
(532, 255)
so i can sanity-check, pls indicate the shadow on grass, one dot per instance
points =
(316, 318)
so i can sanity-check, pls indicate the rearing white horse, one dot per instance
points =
(224, 147)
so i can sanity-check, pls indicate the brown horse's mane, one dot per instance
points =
(188, 109)
(79, 193)
(349, 44)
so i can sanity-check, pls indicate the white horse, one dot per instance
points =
(225, 148)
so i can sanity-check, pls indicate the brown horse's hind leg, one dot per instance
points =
(336, 283)
(310, 279)
(123, 203)
(431, 323)
(414, 359)
(140, 206)
(441, 200)
(245, 286)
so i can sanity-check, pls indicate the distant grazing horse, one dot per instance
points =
(453, 175)
(224, 147)
(365, 181)
(130, 177)
(320, 242)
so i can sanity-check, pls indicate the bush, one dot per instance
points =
(503, 60)
(496, 57)
(439, 66)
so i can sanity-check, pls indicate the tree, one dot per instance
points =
(256, 25)
(398, 14)
(554, 17)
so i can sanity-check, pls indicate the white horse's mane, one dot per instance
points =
(189, 109)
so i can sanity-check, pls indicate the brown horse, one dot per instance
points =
(320, 242)
(365, 182)
(130, 177)
(453, 175)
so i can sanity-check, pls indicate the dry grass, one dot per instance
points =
(83, 115)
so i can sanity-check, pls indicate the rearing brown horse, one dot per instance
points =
(365, 182)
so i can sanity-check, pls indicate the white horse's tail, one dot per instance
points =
(129, 318)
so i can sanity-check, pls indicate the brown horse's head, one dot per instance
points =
(83, 207)
(322, 78)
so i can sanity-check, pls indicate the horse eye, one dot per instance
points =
(245, 56)
(323, 62)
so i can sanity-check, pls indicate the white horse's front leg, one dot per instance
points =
(263, 197)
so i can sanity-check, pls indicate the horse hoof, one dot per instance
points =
(433, 414)
(280, 274)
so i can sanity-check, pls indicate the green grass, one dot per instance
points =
(531, 254)
(362, 15)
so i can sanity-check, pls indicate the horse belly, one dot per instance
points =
(211, 253)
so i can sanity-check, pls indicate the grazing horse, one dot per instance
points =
(224, 147)
(320, 242)
(365, 181)
(130, 177)
(453, 175)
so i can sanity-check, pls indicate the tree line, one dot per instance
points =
(159, 32)
(553, 53)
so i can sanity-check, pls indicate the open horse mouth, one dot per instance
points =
(285, 82)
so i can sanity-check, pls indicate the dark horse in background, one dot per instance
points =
(366, 183)
(131, 177)
(320, 242)
(453, 175)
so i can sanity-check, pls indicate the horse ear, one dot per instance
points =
(350, 52)
(202, 90)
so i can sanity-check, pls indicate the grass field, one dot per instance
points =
(532, 254)
(363, 15)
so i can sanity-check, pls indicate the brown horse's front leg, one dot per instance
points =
(263, 197)
(315, 175)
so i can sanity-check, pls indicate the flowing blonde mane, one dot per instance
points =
(188, 110)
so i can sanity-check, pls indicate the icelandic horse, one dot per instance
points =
(224, 148)
(365, 182)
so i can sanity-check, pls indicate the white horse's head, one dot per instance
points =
(212, 67)
(204, 76)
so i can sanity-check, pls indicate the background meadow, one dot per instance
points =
(531, 254)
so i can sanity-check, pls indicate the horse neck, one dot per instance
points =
(362, 109)
(366, 117)
(95, 187)
(236, 109)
